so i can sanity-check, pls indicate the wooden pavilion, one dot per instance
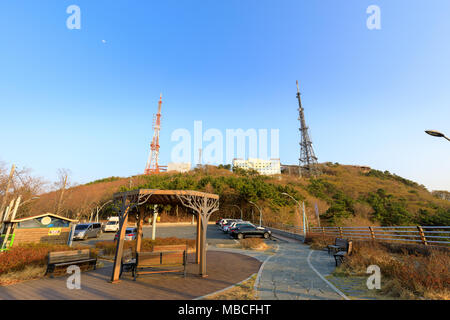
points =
(137, 201)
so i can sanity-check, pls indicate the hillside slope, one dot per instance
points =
(345, 195)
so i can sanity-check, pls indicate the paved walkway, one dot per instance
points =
(224, 269)
(288, 276)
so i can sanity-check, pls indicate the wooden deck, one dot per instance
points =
(224, 269)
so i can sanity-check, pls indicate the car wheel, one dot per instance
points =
(240, 236)
(266, 235)
(85, 237)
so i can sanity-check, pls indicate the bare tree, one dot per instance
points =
(20, 182)
(62, 183)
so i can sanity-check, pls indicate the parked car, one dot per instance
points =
(112, 225)
(245, 231)
(218, 221)
(222, 222)
(84, 231)
(238, 224)
(234, 224)
(227, 223)
(130, 234)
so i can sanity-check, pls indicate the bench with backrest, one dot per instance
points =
(163, 259)
(61, 259)
(339, 245)
(128, 262)
(341, 254)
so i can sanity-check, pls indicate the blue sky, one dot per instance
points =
(68, 100)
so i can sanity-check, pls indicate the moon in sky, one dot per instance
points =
(103, 41)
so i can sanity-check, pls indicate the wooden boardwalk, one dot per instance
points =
(224, 269)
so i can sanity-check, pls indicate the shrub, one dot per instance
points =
(109, 247)
(341, 208)
(408, 273)
(24, 255)
(251, 243)
(388, 210)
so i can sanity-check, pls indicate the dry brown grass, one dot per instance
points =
(253, 244)
(242, 291)
(28, 273)
(407, 273)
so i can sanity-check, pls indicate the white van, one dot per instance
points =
(112, 225)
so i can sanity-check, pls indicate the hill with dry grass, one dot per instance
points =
(344, 195)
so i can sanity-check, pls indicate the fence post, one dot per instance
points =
(372, 234)
(422, 236)
(340, 232)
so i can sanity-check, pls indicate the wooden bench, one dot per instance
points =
(341, 254)
(68, 258)
(163, 259)
(128, 262)
(339, 245)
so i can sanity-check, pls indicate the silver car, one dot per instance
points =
(84, 231)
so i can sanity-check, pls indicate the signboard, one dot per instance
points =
(46, 220)
(54, 231)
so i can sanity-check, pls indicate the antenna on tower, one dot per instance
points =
(200, 157)
(307, 160)
(152, 162)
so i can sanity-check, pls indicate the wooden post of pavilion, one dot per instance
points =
(204, 206)
(135, 201)
(198, 239)
(140, 223)
(123, 221)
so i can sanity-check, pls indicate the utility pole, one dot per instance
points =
(307, 160)
(8, 185)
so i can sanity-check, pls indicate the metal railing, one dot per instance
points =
(426, 235)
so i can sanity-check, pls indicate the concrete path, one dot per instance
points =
(290, 275)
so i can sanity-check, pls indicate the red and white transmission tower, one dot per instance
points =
(152, 162)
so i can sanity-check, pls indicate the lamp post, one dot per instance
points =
(233, 205)
(437, 134)
(260, 212)
(299, 208)
(98, 210)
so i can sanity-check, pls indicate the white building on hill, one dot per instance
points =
(179, 166)
(265, 167)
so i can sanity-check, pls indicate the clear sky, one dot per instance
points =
(70, 100)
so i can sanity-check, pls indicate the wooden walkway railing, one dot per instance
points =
(426, 235)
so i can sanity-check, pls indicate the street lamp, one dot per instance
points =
(98, 210)
(436, 134)
(233, 205)
(304, 217)
(260, 212)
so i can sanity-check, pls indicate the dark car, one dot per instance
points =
(245, 231)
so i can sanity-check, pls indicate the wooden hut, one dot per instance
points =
(48, 227)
